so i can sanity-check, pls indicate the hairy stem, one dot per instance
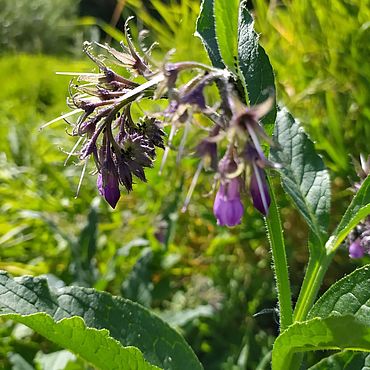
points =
(275, 234)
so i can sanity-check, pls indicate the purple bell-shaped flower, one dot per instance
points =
(228, 207)
(356, 250)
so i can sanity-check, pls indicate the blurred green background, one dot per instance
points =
(206, 280)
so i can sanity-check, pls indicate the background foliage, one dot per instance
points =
(207, 281)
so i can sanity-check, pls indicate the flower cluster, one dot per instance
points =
(122, 147)
(358, 240)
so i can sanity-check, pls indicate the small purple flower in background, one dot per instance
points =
(358, 240)
(228, 207)
(356, 250)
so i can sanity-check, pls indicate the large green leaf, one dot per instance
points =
(350, 295)
(303, 173)
(217, 27)
(333, 332)
(126, 321)
(226, 30)
(255, 69)
(357, 210)
(346, 360)
(206, 31)
(95, 346)
(226, 19)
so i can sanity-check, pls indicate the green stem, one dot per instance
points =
(276, 239)
(315, 272)
(316, 269)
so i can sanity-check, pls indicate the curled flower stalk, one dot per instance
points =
(123, 147)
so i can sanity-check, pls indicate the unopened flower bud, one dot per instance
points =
(109, 188)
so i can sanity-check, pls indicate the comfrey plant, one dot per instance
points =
(122, 148)
(237, 145)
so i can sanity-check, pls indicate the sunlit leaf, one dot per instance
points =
(303, 173)
(346, 360)
(95, 346)
(255, 69)
(206, 31)
(52, 313)
(226, 23)
(350, 295)
(320, 334)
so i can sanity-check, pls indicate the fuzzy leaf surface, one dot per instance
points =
(226, 21)
(320, 334)
(346, 360)
(350, 295)
(206, 31)
(255, 69)
(127, 322)
(303, 173)
(95, 346)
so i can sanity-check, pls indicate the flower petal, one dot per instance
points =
(259, 190)
(356, 250)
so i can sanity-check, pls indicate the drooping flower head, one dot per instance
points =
(124, 146)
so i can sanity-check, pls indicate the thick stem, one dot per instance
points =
(276, 239)
(316, 269)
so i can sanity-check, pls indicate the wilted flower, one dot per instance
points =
(207, 150)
